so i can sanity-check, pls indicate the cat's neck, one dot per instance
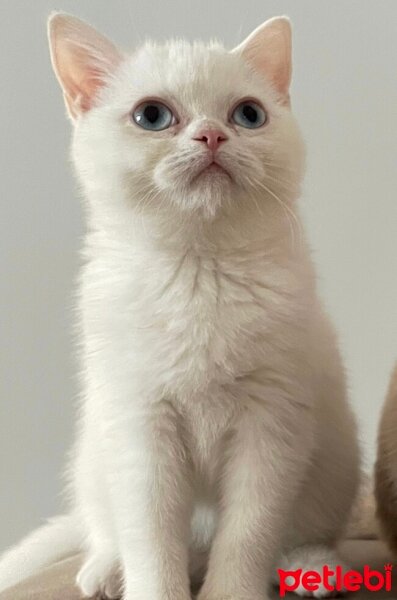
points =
(246, 225)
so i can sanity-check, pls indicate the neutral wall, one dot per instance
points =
(345, 94)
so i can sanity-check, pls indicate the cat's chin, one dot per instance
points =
(210, 191)
(205, 198)
(212, 181)
(212, 173)
(202, 195)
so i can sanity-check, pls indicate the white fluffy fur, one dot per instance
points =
(215, 435)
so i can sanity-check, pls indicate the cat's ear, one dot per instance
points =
(82, 59)
(268, 50)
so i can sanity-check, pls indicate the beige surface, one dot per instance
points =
(54, 583)
(57, 582)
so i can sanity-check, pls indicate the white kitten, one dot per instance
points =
(215, 436)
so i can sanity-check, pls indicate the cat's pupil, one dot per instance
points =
(151, 113)
(250, 113)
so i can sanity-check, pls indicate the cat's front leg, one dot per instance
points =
(265, 461)
(149, 485)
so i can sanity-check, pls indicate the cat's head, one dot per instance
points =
(192, 127)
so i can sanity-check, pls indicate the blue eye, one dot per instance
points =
(153, 115)
(249, 114)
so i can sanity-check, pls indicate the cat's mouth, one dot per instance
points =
(213, 169)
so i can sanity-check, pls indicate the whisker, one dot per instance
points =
(291, 216)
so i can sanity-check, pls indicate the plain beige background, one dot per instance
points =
(345, 95)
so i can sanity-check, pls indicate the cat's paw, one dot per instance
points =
(100, 577)
(311, 558)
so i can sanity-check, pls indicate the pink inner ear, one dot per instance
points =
(82, 59)
(81, 87)
(268, 50)
(277, 69)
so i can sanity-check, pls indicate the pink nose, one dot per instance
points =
(212, 137)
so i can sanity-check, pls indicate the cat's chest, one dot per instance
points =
(207, 314)
(187, 320)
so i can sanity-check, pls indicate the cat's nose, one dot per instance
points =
(213, 138)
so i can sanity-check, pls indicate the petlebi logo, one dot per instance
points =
(336, 580)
